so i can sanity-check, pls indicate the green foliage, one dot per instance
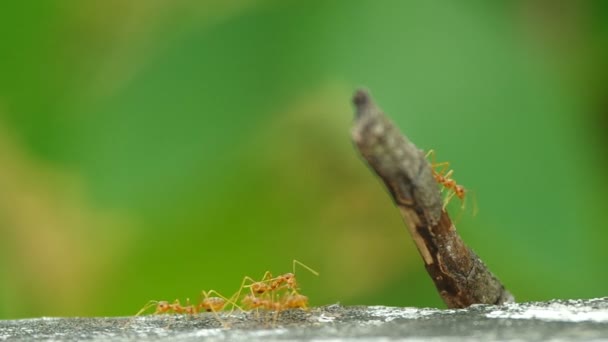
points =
(156, 149)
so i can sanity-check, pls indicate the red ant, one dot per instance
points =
(275, 293)
(164, 307)
(295, 301)
(207, 303)
(270, 293)
(444, 177)
(253, 302)
(270, 284)
(288, 301)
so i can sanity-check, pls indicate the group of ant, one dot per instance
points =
(270, 293)
(282, 292)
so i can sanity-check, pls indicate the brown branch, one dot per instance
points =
(461, 278)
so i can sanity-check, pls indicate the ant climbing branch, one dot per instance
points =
(461, 278)
(444, 176)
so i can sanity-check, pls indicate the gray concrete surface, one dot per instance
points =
(572, 320)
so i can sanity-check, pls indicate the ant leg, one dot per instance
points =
(304, 266)
(448, 198)
(212, 308)
(431, 153)
(464, 196)
(434, 164)
(238, 293)
(252, 282)
(275, 316)
(444, 167)
(475, 207)
(227, 301)
(147, 306)
(463, 201)
(246, 279)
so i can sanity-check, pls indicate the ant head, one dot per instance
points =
(460, 191)
(162, 306)
(259, 287)
(290, 279)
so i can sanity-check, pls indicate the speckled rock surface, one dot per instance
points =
(572, 320)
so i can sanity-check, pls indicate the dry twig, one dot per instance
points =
(461, 278)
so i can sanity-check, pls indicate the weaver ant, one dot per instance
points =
(444, 177)
(252, 302)
(294, 301)
(285, 302)
(270, 293)
(274, 293)
(270, 284)
(288, 280)
(164, 306)
(207, 303)
(288, 301)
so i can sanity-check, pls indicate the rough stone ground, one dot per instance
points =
(571, 320)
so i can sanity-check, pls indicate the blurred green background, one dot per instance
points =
(153, 149)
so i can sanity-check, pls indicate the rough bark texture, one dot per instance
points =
(461, 278)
